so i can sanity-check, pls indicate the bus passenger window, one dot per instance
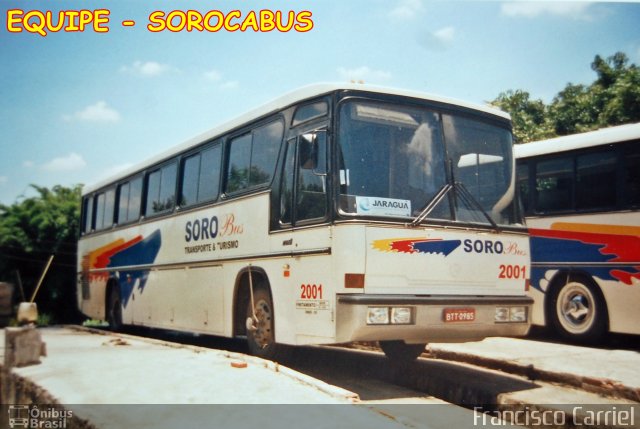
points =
(554, 185)
(522, 178)
(201, 177)
(109, 207)
(123, 202)
(596, 180)
(632, 175)
(239, 164)
(161, 190)
(209, 181)
(264, 154)
(99, 211)
(130, 194)
(190, 174)
(135, 199)
(105, 204)
(253, 157)
(88, 215)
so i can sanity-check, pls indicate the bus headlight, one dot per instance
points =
(389, 315)
(511, 314)
(518, 314)
(502, 314)
(377, 315)
(401, 315)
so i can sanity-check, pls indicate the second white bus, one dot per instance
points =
(581, 195)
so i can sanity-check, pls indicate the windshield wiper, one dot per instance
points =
(433, 202)
(470, 200)
(464, 195)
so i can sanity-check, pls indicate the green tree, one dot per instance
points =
(31, 230)
(574, 110)
(612, 99)
(619, 86)
(529, 116)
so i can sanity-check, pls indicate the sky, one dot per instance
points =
(77, 107)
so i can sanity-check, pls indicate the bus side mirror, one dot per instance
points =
(312, 152)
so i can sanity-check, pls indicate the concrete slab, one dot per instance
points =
(91, 368)
(613, 372)
(117, 381)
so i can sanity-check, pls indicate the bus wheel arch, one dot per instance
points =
(575, 307)
(260, 333)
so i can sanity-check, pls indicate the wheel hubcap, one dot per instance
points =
(576, 308)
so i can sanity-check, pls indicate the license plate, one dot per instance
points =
(450, 315)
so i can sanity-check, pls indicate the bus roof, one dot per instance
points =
(277, 104)
(617, 134)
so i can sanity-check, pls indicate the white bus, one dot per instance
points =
(336, 213)
(581, 196)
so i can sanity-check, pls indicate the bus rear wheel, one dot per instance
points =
(578, 312)
(261, 329)
(399, 351)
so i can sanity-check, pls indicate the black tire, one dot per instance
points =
(399, 351)
(114, 309)
(577, 311)
(262, 339)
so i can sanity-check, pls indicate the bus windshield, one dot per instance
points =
(420, 164)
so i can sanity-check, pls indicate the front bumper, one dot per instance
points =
(428, 321)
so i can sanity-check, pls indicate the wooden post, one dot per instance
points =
(44, 273)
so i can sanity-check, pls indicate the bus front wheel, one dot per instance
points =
(578, 311)
(400, 351)
(260, 325)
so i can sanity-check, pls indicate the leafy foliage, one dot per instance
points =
(31, 230)
(612, 99)
(529, 117)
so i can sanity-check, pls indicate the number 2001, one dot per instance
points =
(310, 291)
(513, 272)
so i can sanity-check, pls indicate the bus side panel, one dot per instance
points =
(183, 298)
(303, 291)
(147, 302)
(203, 253)
(170, 270)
